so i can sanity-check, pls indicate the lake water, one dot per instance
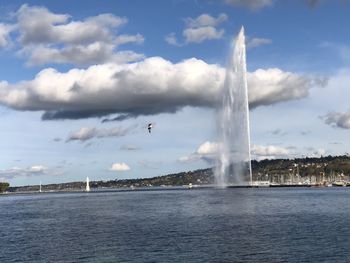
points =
(206, 225)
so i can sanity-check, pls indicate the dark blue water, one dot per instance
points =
(208, 225)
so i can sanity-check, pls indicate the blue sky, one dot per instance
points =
(68, 65)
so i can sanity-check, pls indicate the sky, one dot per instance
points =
(81, 80)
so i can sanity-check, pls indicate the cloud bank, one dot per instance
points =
(208, 151)
(151, 86)
(123, 83)
(46, 37)
(260, 152)
(20, 172)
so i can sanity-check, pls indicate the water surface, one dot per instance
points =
(207, 225)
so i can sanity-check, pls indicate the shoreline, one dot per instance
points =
(162, 188)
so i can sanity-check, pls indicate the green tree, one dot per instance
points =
(3, 186)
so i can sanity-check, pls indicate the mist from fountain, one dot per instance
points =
(234, 161)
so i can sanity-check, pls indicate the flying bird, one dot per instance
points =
(149, 127)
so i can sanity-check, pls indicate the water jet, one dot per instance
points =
(233, 166)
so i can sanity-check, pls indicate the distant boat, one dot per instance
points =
(339, 183)
(40, 188)
(87, 189)
(190, 186)
(261, 184)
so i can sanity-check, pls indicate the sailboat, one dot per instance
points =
(40, 188)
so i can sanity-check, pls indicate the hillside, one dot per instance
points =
(315, 170)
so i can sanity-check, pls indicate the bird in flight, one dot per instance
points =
(149, 127)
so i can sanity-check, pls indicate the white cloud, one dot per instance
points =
(86, 133)
(127, 56)
(15, 172)
(205, 20)
(120, 167)
(82, 134)
(41, 54)
(172, 40)
(260, 152)
(256, 42)
(151, 86)
(188, 158)
(37, 25)
(198, 35)
(273, 85)
(251, 4)
(199, 29)
(124, 39)
(208, 151)
(208, 148)
(5, 31)
(46, 37)
(338, 119)
(37, 169)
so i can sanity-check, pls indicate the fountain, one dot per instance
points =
(87, 188)
(234, 162)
